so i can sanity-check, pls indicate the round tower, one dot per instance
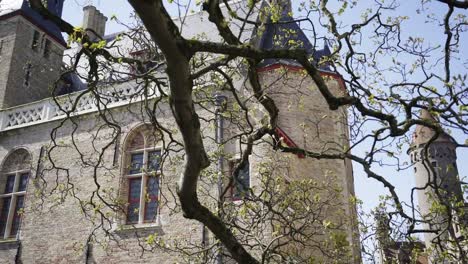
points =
(436, 175)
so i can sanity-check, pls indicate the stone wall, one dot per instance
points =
(306, 119)
(17, 53)
(58, 217)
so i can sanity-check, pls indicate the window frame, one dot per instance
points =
(13, 195)
(144, 175)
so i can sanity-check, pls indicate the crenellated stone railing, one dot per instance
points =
(83, 102)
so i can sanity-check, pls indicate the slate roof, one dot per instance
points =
(10, 8)
(287, 34)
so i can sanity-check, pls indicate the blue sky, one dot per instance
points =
(367, 190)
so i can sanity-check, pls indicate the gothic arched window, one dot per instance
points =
(142, 171)
(14, 178)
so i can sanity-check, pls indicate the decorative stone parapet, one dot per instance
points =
(77, 103)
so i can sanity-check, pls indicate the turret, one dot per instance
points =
(305, 120)
(436, 174)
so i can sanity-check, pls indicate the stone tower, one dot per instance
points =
(305, 121)
(31, 52)
(435, 171)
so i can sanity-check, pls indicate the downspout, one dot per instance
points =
(220, 101)
(39, 160)
(18, 254)
(89, 251)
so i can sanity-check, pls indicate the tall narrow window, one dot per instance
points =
(241, 183)
(27, 74)
(47, 45)
(35, 40)
(13, 181)
(142, 172)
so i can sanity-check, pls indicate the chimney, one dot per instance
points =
(93, 19)
(102, 24)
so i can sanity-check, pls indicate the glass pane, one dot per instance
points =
(153, 186)
(5, 207)
(133, 212)
(151, 205)
(23, 182)
(154, 158)
(151, 211)
(134, 188)
(242, 183)
(136, 163)
(134, 200)
(10, 183)
(17, 216)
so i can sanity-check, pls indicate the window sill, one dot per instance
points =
(149, 228)
(9, 243)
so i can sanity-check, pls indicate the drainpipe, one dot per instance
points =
(220, 101)
(18, 254)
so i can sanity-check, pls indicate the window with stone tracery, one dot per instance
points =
(142, 175)
(14, 178)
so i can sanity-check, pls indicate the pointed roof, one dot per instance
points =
(9, 8)
(423, 134)
(285, 33)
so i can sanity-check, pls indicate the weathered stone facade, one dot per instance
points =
(27, 73)
(78, 185)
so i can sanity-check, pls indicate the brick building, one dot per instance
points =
(74, 189)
